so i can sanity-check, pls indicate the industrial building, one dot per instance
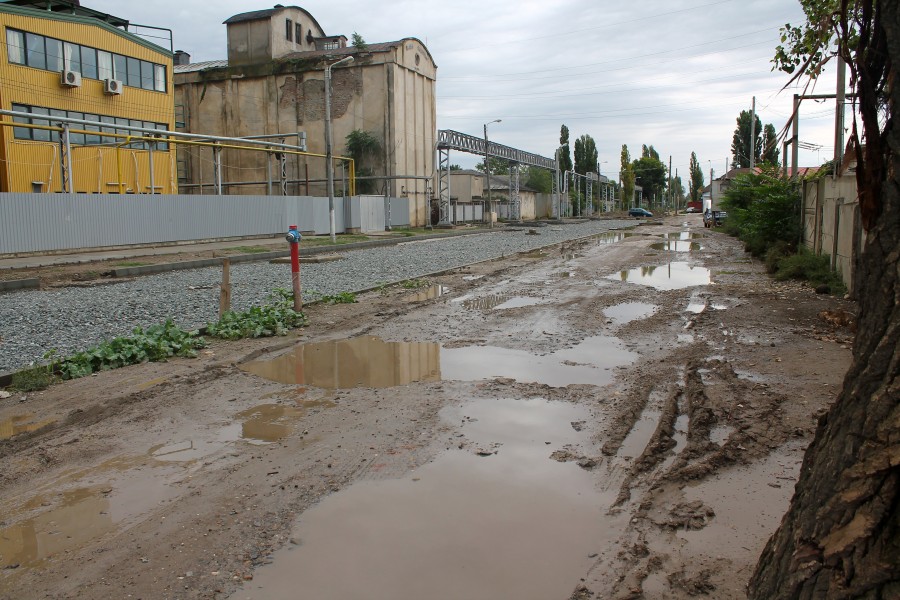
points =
(64, 60)
(273, 83)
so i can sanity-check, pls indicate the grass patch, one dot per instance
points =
(250, 249)
(339, 298)
(33, 379)
(806, 266)
(324, 240)
(414, 284)
(275, 318)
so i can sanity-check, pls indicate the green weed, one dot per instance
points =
(816, 269)
(275, 318)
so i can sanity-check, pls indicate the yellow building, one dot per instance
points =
(65, 60)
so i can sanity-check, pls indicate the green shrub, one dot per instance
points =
(763, 209)
(777, 252)
(275, 318)
(339, 298)
(816, 269)
(155, 344)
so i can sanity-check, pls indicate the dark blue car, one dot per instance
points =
(639, 212)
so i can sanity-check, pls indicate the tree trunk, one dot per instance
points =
(841, 535)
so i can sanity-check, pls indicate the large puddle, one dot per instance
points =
(672, 276)
(432, 292)
(372, 362)
(677, 246)
(629, 311)
(514, 524)
(356, 362)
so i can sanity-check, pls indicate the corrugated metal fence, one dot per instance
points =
(55, 222)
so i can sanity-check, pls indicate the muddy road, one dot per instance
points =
(619, 417)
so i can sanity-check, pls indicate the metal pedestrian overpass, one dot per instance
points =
(453, 140)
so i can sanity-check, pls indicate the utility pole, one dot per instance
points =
(487, 172)
(752, 135)
(329, 167)
(711, 181)
(839, 117)
(795, 137)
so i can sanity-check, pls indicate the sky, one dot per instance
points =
(674, 74)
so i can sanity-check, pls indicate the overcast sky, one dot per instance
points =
(674, 74)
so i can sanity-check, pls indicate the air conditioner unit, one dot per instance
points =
(112, 86)
(70, 79)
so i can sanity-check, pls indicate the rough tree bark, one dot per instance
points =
(841, 535)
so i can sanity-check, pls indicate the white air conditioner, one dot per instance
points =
(70, 79)
(112, 86)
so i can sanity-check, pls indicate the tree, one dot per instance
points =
(839, 536)
(697, 184)
(770, 146)
(455, 167)
(677, 191)
(538, 179)
(741, 146)
(650, 173)
(763, 146)
(365, 149)
(359, 43)
(585, 162)
(627, 176)
(565, 156)
(499, 166)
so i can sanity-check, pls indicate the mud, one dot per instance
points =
(630, 425)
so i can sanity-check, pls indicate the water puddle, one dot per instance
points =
(497, 302)
(639, 436)
(435, 291)
(590, 362)
(104, 498)
(514, 524)
(472, 277)
(17, 424)
(534, 254)
(684, 235)
(566, 274)
(629, 311)
(696, 307)
(80, 515)
(740, 529)
(269, 422)
(719, 434)
(351, 363)
(461, 299)
(518, 302)
(673, 276)
(372, 362)
(677, 246)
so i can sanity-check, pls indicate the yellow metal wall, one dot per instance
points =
(93, 167)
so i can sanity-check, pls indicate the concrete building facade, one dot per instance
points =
(273, 83)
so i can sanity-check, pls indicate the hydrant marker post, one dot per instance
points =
(293, 237)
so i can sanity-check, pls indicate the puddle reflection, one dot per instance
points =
(677, 246)
(351, 363)
(672, 276)
(435, 291)
(515, 524)
(17, 424)
(629, 311)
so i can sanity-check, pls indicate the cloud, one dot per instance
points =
(674, 73)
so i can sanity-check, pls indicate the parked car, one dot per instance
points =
(639, 212)
(714, 218)
(692, 209)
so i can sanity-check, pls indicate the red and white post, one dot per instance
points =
(293, 237)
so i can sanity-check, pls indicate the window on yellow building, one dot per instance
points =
(15, 46)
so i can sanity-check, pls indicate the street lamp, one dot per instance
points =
(487, 168)
(329, 167)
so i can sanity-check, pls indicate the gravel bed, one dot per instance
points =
(72, 319)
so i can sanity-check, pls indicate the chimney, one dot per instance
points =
(182, 58)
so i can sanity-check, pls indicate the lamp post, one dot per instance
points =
(329, 167)
(487, 169)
